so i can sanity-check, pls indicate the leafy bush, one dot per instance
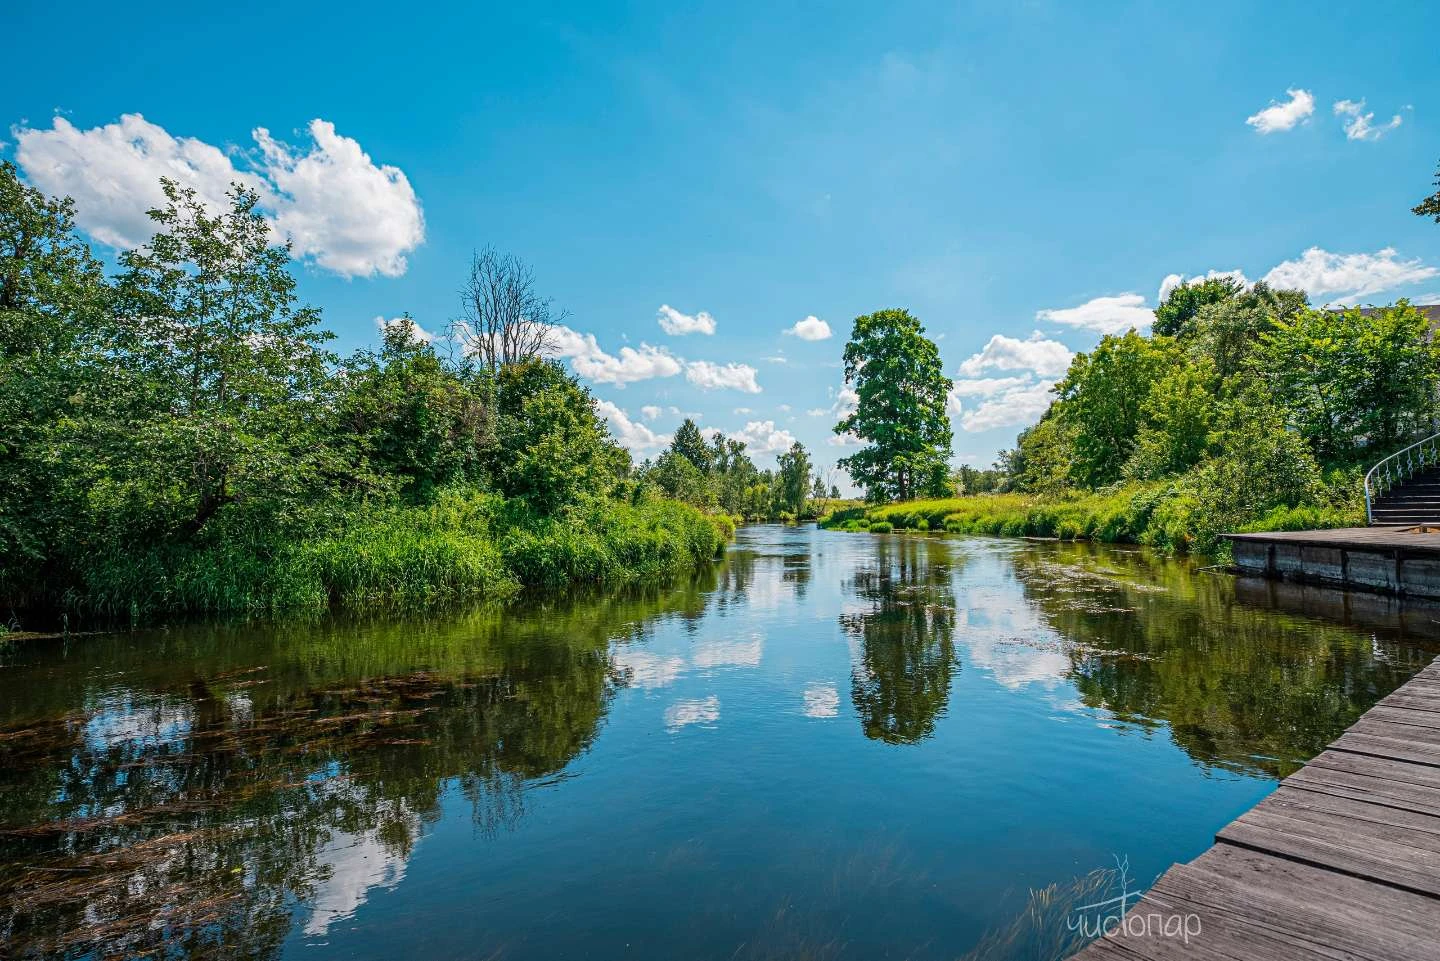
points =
(881, 527)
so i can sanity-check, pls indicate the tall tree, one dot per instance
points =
(690, 444)
(228, 373)
(794, 478)
(896, 371)
(53, 322)
(1354, 384)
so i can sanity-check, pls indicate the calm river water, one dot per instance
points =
(832, 746)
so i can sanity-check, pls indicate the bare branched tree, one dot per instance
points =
(503, 320)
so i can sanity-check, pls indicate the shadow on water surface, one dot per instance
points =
(220, 791)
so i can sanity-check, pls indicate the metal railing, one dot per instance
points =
(1399, 466)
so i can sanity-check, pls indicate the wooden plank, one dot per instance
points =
(1398, 749)
(1363, 787)
(1375, 858)
(1403, 716)
(1359, 816)
(1411, 702)
(1385, 727)
(1317, 891)
(1340, 863)
(1380, 768)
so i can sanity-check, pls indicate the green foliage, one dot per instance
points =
(1101, 402)
(689, 443)
(1176, 417)
(551, 447)
(213, 402)
(721, 476)
(901, 413)
(969, 480)
(1041, 460)
(414, 419)
(179, 440)
(881, 527)
(1226, 333)
(1173, 317)
(464, 546)
(1352, 383)
(794, 479)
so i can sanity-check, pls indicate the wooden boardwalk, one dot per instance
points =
(1342, 861)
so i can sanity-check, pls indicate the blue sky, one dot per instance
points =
(999, 169)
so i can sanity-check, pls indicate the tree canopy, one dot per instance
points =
(901, 413)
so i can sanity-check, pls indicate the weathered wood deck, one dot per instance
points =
(1342, 861)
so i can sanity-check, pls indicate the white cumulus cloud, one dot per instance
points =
(763, 437)
(591, 362)
(1047, 358)
(1353, 277)
(708, 376)
(1011, 407)
(1360, 125)
(811, 328)
(632, 435)
(650, 412)
(340, 210)
(677, 324)
(1107, 315)
(1284, 116)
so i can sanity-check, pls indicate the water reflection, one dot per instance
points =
(904, 624)
(190, 809)
(217, 792)
(1237, 685)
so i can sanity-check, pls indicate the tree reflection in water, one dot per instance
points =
(1241, 687)
(901, 674)
(199, 796)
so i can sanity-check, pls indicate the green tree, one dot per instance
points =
(690, 444)
(896, 371)
(1101, 400)
(1260, 465)
(1352, 383)
(1173, 317)
(412, 417)
(225, 372)
(678, 478)
(551, 448)
(1176, 416)
(52, 290)
(1041, 459)
(794, 478)
(1226, 333)
(53, 327)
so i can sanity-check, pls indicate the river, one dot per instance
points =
(831, 746)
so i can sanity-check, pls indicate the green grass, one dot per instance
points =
(1159, 515)
(466, 546)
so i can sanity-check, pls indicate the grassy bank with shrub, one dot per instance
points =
(464, 546)
(1164, 516)
(177, 439)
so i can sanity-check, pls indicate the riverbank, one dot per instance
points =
(1156, 516)
(464, 546)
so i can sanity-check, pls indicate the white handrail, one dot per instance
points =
(1399, 466)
